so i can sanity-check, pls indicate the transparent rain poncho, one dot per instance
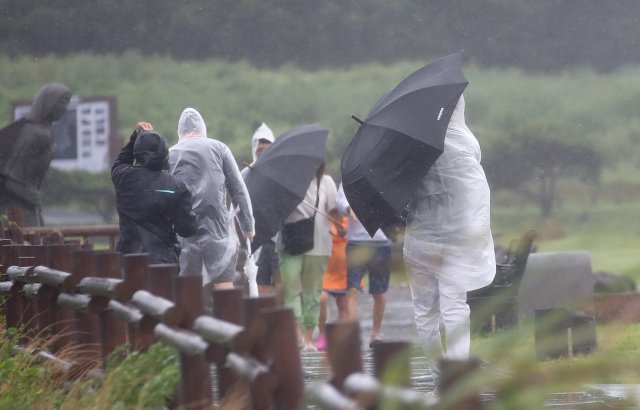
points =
(209, 170)
(448, 230)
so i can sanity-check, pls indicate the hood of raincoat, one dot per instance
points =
(50, 103)
(458, 130)
(262, 133)
(191, 124)
(150, 151)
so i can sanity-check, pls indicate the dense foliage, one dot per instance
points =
(534, 35)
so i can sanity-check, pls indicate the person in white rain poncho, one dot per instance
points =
(209, 169)
(268, 274)
(448, 245)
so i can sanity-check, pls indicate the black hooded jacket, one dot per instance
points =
(152, 204)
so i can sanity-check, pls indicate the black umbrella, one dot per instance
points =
(398, 142)
(278, 180)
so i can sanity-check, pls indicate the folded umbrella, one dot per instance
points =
(251, 272)
(398, 142)
(278, 180)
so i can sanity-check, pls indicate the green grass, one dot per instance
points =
(616, 359)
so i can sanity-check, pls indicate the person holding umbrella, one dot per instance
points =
(301, 273)
(268, 274)
(448, 245)
(209, 170)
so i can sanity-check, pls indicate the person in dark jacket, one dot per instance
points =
(152, 204)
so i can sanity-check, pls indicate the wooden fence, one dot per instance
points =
(98, 300)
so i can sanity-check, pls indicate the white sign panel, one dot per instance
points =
(80, 137)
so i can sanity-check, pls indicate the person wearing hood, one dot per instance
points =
(26, 150)
(448, 245)
(268, 261)
(210, 171)
(152, 204)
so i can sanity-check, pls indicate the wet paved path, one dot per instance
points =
(398, 324)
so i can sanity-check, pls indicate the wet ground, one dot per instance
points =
(398, 324)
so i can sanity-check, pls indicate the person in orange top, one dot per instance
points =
(334, 283)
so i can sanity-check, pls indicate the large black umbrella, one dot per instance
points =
(398, 142)
(278, 180)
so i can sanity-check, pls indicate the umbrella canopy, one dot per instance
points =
(397, 143)
(278, 180)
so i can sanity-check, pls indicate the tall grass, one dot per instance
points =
(137, 381)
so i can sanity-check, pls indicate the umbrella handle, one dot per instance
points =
(357, 119)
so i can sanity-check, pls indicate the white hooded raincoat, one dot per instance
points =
(209, 169)
(448, 230)
(448, 245)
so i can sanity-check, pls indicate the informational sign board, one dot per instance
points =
(85, 137)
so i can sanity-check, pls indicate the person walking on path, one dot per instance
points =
(268, 277)
(365, 254)
(209, 170)
(334, 283)
(301, 275)
(152, 204)
(448, 246)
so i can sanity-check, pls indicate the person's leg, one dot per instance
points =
(341, 304)
(290, 276)
(379, 273)
(379, 304)
(355, 272)
(456, 322)
(267, 269)
(322, 317)
(426, 305)
(312, 270)
(321, 341)
(225, 279)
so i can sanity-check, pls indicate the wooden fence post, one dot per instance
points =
(12, 305)
(392, 356)
(112, 331)
(87, 324)
(135, 274)
(255, 324)
(453, 372)
(343, 350)
(161, 280)
(282, 346)
(64, 319)
(227, 306)
(195, 380)
(27, 305)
